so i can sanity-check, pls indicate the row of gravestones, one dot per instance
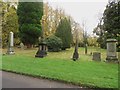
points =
(111, 52)
(111, 49)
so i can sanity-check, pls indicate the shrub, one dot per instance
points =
(54, 43)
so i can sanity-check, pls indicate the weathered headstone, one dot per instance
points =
(96, 56)
(111, 50)
(119, 57)
(11, 44)
(22, 46)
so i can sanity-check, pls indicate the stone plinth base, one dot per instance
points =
(41, 53)
(112, 59)
(11, 53)
(75, 56)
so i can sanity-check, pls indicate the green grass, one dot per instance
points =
(59, 66)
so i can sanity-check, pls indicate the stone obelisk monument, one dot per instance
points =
(10, 50)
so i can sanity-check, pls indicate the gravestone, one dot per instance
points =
(119, 57)
(42, 50)
(10, 50)
(111, 51)
(96, 56)
(22, 46)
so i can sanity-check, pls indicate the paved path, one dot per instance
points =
(12, 80)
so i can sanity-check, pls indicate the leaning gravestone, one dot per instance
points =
(111, 51)
(96, 56)
(10, 50)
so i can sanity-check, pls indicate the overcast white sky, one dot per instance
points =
(82, 10)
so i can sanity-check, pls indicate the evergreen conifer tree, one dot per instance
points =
(64, 32)
(29, 16)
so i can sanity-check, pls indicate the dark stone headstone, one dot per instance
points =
(41, 50)
(96, 56)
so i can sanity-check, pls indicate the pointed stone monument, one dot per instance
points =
(10, 50)
(76, 54)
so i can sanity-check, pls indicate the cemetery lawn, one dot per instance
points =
(59, 66)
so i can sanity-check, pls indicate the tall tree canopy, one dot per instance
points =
(111, 19)
(64, 32)
(51, 19)
(111, 24)
(29, 16)
(9, 23)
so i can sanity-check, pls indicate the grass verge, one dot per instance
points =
(59, 66)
